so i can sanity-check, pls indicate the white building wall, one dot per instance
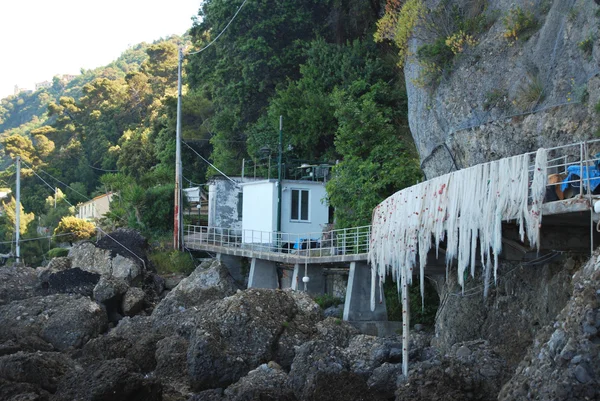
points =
(259, 211)
(318, 210)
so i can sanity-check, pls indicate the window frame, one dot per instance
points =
(299, 218)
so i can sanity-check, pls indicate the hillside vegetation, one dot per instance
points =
(314, 62)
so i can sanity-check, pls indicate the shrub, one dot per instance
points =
(434, 58)
(519, 23)
(327, 300)
(71, 228)
(57, 253)
(167, 262)
(587, 45)
(398, 25)
(496, 97)
(458, 41)
(530, 93)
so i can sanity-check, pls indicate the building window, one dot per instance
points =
(300, 204)
(240, 205)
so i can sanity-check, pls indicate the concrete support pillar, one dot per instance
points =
(234, 265)
(317, 282)
(263, 274)
(358, 296)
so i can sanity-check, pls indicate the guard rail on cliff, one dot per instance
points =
(342, 244)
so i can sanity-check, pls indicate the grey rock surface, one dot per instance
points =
(61, 320)
(109, 289)
(41, 369)
(16, 282)
(242, 331)
(133, 339)
(133, 301)
(115, 380)
(473, 115)
(541, 290)
(564, 360)
(210, 281)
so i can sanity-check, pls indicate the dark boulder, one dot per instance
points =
(210, 281)
(114, 380)
(240, 332)
(61, 320)
(17, 282)
(41, 369)
(133, 339)
(70, 281)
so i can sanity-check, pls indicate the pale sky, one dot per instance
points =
(43, 38)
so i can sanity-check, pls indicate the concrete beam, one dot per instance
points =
(358, 296)
(263, 274)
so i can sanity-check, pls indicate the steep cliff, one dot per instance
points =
(527, 77)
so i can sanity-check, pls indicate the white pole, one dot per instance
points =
(18, 211)
(177, 227)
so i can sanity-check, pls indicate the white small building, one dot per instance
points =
(95, 208)
(304, 209)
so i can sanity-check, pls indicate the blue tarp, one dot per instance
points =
(574, 172)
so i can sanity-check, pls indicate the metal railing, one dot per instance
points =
(573, 170)
(347, 241)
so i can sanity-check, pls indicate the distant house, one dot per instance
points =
(304, 208)
(96, 208)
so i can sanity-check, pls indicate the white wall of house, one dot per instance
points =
(259, 211)
(303, 209)
(223, 204)
(95, 208)
(304, 221)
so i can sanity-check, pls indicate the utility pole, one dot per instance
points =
(18, 211)
(279, 176)
(178, 223)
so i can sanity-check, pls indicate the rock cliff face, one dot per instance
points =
(482, 110)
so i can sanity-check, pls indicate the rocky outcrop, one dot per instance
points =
(16, 282)
(241, 332)
(88, 257)
(564, 361)
(475, 113)
(115, 380)
(210, 281)
(61, 320)
(469, 371)
(541, 290)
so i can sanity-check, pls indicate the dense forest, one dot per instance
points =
(314, 62)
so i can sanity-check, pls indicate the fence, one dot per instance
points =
(347, 241)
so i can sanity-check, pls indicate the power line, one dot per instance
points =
(212, 165)
(44, 181)
(221, 33)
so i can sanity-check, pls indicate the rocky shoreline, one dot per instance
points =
(99, 325)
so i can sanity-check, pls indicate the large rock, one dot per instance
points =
(133, 301)
(41, 369)
(105, 262)
(541, 290)
(563, 362)
(240, 332)
(470, 116)
(115, 380)
(267, 382)
(210, 281)
(62, 320)
(16, 282)
(469, 371)
(54, 266)
(110, 289)
(133, 339)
